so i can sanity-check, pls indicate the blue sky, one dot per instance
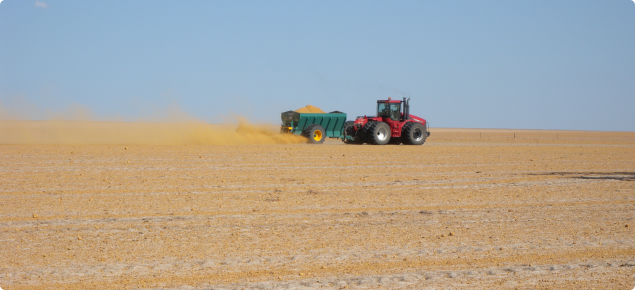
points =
(472, 64)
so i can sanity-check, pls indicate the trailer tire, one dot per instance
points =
(413, 133)
(377, 133)
(315, 133)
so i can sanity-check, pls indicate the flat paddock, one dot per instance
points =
(470, 209)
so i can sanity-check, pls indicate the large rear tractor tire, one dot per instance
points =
(349, 131)
(413, 133)
(315, 133)
(377, 133)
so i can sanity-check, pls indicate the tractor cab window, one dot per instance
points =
(394, 111)
(389, 110)
(382, 110)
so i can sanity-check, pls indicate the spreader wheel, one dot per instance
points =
(315, 133)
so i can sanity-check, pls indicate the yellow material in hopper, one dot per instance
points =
(310, 109)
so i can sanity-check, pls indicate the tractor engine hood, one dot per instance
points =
(420, 120)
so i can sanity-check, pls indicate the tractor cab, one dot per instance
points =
(389, 109)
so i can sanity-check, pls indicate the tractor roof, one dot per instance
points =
(388, 101)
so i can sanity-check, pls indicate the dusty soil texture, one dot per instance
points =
(469, 209)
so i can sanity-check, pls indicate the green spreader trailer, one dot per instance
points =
(315, 126)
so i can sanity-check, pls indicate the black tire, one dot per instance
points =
(413, 133)
(349, 130)
(315, 133)
(377, 133)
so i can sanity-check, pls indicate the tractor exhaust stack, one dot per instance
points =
(406, 108)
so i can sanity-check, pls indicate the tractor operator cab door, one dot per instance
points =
(389, 110)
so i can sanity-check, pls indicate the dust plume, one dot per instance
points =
(76, 125)
(93, 133)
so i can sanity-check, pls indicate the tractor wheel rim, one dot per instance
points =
(317, 135)
(382, 134)
(417, 134)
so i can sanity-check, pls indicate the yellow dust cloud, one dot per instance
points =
(141, 133)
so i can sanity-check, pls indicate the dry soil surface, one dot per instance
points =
(469, 209)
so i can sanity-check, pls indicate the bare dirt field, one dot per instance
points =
(469, 209)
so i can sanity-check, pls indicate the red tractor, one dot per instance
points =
(393, 124)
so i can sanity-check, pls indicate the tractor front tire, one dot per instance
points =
(377, 133)
(413, 133)
(315, 133)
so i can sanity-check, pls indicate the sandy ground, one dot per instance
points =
(469, 209)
